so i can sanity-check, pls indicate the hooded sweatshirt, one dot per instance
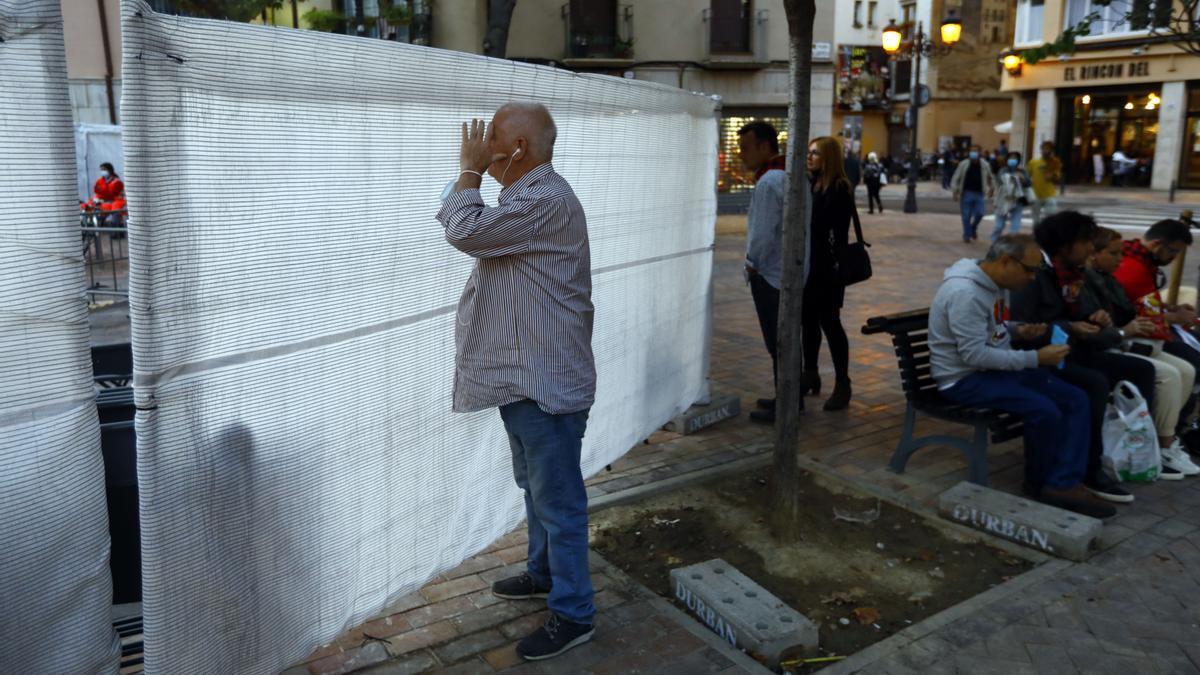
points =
(967, 332)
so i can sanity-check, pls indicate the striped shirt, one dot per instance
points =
(524, 327)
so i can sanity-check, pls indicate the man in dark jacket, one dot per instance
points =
(1054, 298)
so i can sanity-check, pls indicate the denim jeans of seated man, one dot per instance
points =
(546, 452)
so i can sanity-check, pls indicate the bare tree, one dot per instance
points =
(1173, 23)
(495, 42)
(785, 498)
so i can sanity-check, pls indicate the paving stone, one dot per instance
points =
(1050, 659)
(456, 587)
(741, 611)
(503, 657)
(351, 660)
(488, 617)
(1038, 526)
(1099, 663)
(470, 645)
(1174, 528)
(420, 638)
(410, 664)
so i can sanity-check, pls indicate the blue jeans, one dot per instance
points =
(545, 451)
(1003, 219)
(972, 212)
(1056, 416)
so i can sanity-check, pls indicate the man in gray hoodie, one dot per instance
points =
(974, 364)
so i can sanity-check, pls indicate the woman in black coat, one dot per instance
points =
(824, 292)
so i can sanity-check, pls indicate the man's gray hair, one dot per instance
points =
(534, 122)
(1011, 245)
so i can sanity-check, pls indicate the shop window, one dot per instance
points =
(733, 176)
(1030, 17)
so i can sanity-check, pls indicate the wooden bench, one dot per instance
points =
(909, 331)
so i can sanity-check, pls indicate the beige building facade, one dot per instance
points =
(873, 90)
(1122, 90)
(736, 49)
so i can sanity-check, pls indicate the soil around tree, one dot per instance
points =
(860, 582)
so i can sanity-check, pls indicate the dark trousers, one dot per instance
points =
(546, 452)
(1096, 374)
(873, 198)
(766, 303)
(822, 313)
(1055, 414)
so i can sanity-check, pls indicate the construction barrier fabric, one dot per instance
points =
(55, 588)
(293, 307)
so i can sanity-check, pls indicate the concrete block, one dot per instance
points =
(743, 613)
(1045, 528)
(697, 417)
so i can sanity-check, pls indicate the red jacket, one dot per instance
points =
(109, 190)
(1138, 275)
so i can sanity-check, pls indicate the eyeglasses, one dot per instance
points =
(1029, 269)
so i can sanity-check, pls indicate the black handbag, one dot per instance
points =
(855, 265)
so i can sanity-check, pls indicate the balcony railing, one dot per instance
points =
(597, 42)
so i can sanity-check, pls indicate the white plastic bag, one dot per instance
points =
(1131, 451)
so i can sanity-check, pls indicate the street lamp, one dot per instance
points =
(918, 45)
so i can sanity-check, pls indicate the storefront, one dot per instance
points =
(733, 176)
(1126, 117)
(1097, 123)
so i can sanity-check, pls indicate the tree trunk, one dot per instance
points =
(785, 498)
(495, 42)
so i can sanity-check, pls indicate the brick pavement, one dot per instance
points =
(454, 625)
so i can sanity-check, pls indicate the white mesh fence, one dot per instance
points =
(55, 588)
(293, 307)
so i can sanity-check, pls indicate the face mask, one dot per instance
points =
(1012, 163)
(973, 155)
(106, 174)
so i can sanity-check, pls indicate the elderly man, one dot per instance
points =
(524, 343)
(972, 360)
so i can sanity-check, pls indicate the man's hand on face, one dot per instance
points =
(1030, 331)
(476, 154)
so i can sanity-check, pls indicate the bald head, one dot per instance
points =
(531, 122)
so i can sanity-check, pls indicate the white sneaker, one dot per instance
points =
(1175, 457)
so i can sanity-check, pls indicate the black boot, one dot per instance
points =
(840, 398)
(810, 383)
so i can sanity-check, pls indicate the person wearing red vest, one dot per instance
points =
(108, 194)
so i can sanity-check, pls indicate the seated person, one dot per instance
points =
(1140, 274)
(1174, 377)
(972, 360)
(1066, 242)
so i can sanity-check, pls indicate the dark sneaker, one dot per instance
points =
(1076, 499)
(1170, 473)
(553, 638)
(764, 416)
(1104, 487)
(520, 587)
(766, 403)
